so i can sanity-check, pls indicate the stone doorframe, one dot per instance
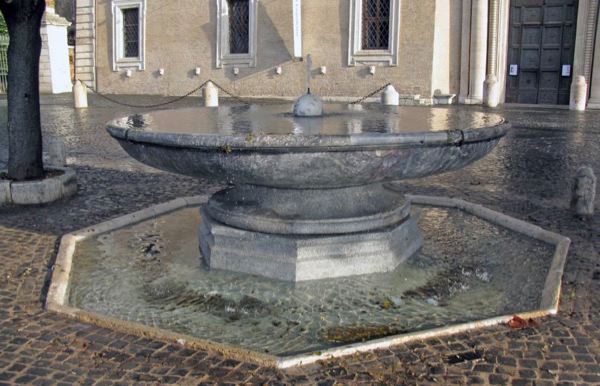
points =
(479, 61)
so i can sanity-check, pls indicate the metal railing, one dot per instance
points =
(3, 63)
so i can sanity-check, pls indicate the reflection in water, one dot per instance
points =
(338, 119)
(308, 125)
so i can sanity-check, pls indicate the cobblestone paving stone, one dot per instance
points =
(528, 176)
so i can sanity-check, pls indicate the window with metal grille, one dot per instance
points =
(131, 35)
(375, 24)
(239, 25)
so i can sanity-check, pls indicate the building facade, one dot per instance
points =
(432, 51)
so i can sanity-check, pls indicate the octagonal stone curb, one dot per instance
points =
(39, 191)
(57, 299)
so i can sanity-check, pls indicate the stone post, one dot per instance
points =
(389, 96)
(578, 94)
(478, 54)
(584, 192)
(211, 95)
(56, 152)
(79, 95)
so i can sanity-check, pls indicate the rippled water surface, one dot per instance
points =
(151, 273)
(276, 119)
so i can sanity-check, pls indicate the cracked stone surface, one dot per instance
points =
(528, 176)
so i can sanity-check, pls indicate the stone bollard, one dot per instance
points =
(211, 95)
(57, 154)
(584, 192)
(389, 96)
(578, 94)
(492, 91)
(80, 95)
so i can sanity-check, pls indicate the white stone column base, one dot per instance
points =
(492, 91)
(578, 94)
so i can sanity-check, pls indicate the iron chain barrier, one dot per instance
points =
(380, 89)
(201, 86)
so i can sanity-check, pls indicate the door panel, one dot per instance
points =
(542, 38)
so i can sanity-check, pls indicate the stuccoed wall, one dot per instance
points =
(55, 75)
(446, 48)
(181, 37)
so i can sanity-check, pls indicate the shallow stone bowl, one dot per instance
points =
(349, 146)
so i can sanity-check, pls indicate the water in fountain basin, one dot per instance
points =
(277, 119)
(151, 273)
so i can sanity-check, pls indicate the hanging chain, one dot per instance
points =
(176, 99)
(225, 91)
(380, 89)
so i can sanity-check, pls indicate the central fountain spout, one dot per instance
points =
(308, 105)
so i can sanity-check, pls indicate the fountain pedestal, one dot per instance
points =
(307, 234)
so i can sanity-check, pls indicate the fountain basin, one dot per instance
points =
(105, 274)
(265, 145)
(307, 199)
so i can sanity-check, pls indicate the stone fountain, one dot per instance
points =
(306, 196)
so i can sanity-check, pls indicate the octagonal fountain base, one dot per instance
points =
(140, 274)
(307, 234)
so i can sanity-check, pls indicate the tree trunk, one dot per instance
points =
(23, 18)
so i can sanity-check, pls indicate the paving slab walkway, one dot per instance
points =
(527, 176)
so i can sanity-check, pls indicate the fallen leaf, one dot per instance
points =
(517, 323)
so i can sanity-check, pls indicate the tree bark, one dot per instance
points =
(23, 18)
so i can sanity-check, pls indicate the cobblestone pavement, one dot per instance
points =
(527, 176)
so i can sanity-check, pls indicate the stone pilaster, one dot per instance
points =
(594, 102)
(493, 37)
(465, 45)
(492, 90)
(590, 33)
(584, 47)
(478, 51)
(85, 42)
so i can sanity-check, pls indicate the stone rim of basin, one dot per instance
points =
(481, 132)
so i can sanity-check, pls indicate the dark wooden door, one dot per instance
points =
(540, 51)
